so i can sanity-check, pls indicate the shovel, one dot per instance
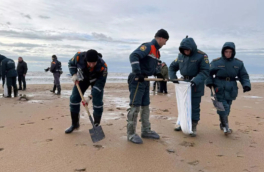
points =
(96, 132)
(218, 105)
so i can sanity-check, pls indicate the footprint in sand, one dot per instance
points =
(171, 151)
(80, 169)
(109, 124)
(1, 149)
(49, 140)
(196, 162)
(220, 155)
(30, 122)
(2, 126)
(22, 124)
(98, 146)
(50, 128)
(187, 144)
(110, 109)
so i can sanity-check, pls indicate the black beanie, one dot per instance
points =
(162, 33)
(91, 56)
(54, 56)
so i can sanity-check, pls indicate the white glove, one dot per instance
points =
(74, 78)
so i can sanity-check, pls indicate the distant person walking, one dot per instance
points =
(9, 75)
(165, 75)
(21, 72)
(55, 68)
(158, 69)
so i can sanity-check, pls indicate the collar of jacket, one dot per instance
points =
(154, 42)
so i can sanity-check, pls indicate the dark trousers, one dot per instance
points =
(163, 86)
(196, 108)
(21, 79)
(56, 76)
(75, 99)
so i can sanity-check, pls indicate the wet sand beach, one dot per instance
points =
(32, 135)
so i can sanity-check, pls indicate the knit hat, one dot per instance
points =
(162, 33)
(91, 56)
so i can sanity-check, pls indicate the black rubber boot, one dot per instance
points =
(97, 119)
(178, 128)
(54, 88)
(59, 90)
(9, 91)
(75, 123)
(194, 126)
(15, 92)
(224, 122)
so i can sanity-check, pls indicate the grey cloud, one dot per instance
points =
(8, 23)
(102, 37)
(21, 45)
(59, 36)
(25, 15)
(44, 17)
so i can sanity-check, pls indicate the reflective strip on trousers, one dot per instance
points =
(92, 80)
(97, 88)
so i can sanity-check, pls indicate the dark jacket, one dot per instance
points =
(22, 68)
(96, 76)
(164, 71)
(145, 58)
(55, 66)
(223, 72)
(195, 66)
(8, 67)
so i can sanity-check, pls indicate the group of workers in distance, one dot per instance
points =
(221, 75)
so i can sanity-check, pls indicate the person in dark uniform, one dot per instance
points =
(158, 75)
(9, 73)
(55, 68)
(165, 75)
(143, 62)
(224, 72)
(21, 71)
(194, 67)
(94, 70)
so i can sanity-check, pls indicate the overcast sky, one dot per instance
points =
(38, 29)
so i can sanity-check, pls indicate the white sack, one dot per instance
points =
(184, 102)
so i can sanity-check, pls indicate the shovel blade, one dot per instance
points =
(97, 134)
(218, 105)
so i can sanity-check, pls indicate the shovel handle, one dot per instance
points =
(80, 92)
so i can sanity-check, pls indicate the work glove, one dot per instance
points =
(89, 98)
(246, 88)
(140, 77)
(46, 70)
(210, 85)
(74, 78)
(193, 84)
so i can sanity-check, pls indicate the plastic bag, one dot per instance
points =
(184, 102)
(5, 89)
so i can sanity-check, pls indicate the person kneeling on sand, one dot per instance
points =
(94, 71)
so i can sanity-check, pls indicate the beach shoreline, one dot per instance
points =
(33, 139)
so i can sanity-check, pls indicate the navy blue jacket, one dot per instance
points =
(145, 58)
(222, 72)
(96, 75)
(195, 66)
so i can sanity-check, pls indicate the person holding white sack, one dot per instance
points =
(194, 67)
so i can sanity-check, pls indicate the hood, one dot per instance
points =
(188, 43)
(2, 58)
(229, 45)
